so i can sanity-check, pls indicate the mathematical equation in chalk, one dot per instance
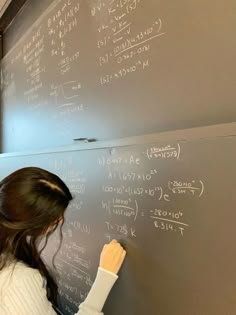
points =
(164, 152)
(156, 191)
(130, 211)
(120, 207)
(132, 176)
(169, 220)
(120, 229)
(73, 267)
(134, 182)
(119, 44)
(71, 273)
(59, 26)
(130, 160)
(193, 187)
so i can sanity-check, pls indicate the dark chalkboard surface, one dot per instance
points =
(112, 69)
(170, 199)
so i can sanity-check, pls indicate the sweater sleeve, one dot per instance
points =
(98, 294)
(26, 295)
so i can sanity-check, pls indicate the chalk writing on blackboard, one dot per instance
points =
(118, 42)
(119, 207)
(164, 152)
(32, 59)
(131, 160)
(169, 220)
(132, 176)
(60, 25)
(121, 229)
(66, 97)
(193, 187)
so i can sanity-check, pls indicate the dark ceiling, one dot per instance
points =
(10, 13)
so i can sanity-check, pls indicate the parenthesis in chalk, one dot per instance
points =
(178, 151)
(202, 189)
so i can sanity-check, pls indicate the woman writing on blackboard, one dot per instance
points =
(32, 205)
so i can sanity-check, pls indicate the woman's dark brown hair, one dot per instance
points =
(32, 203)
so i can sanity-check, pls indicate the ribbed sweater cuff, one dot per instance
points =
(100, 290)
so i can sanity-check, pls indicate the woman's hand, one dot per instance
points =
(112, 257)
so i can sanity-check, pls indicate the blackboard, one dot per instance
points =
(112, 69)
(170, 199)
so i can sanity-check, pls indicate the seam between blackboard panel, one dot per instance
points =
(171, 136)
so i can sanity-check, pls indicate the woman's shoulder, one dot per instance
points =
(23, 291)
(16, 273)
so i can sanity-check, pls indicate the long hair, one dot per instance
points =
(32, 204)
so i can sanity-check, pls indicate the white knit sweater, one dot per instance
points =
(22, 292)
